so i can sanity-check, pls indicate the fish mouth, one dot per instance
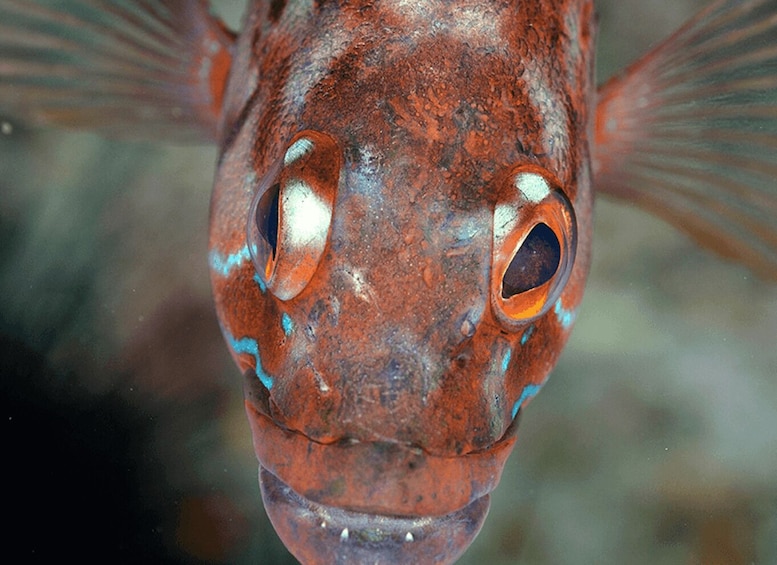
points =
(318, 534)
(370, 501)
(373, 477)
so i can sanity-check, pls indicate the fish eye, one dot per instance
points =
(291, 213)
(535, 238)
(267, 217)
(535, 262)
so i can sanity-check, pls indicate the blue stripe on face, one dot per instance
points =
(249, 346)
(506, 361)
(565, 317)
(527, 334)
(287, 324)
(223, 265)
(529, 391)
(258, 280)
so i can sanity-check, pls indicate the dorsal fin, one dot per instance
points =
(689, 132)
(140, 69)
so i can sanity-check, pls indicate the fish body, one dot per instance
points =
(401, 220)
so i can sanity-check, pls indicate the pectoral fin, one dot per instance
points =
(151, 69)
(689, 132)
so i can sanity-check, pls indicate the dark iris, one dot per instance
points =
(534, 264)
(267, 216)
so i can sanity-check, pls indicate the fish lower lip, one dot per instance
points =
(373, 477)
(321, 534)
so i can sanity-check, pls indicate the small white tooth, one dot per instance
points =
(409, 537)
(344, 534)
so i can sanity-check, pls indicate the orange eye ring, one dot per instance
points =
(535, 239)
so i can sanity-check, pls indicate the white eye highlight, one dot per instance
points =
(306, 215)
(296, 150)
(506, 218)
(533, 187)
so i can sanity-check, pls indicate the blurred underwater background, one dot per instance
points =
(654, 442)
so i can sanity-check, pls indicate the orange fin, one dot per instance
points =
(689, 132)
(139, 69)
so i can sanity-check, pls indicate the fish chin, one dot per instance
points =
(321, 534)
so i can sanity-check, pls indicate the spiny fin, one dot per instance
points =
(690, 132)
(139, 69)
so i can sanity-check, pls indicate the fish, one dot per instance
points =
(401, 219)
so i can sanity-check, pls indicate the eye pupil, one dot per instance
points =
(534, 264)
(267, 216)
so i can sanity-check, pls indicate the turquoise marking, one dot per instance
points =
(529, 391)
(565, 317)
(506, 361)
(287, 324)
(258, 280)
(249, 346)
(527, 334)
(224, 265)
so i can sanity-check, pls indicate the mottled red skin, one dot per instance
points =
(431, 115)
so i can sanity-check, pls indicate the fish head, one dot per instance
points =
(399, 241)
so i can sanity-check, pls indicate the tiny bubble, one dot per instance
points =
(6, 128)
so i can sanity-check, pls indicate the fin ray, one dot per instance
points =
(82, 30)
(149, 69)
(689, 132)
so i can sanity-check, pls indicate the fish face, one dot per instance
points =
(397, 252)
(400, 296)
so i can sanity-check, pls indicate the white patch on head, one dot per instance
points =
(475, 25)
(547, 103)
(322, 386)
(471, 22)
(306, 215)
(298, 149)
(366, 178)
(361, 287)
(533, 187)
(478, 20)
(505, 219)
